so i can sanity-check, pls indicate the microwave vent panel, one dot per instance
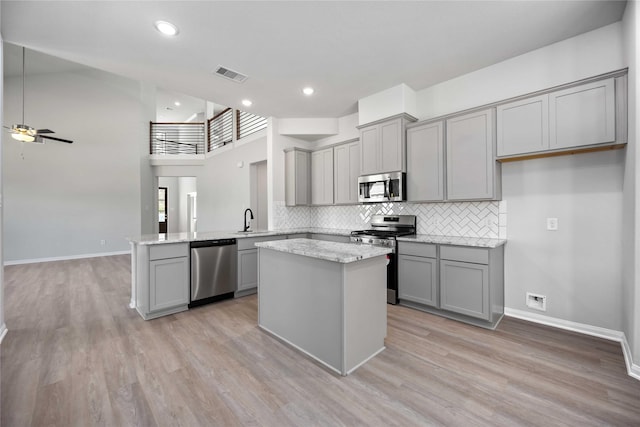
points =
(230, 74)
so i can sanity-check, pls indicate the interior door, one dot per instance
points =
(162, 210)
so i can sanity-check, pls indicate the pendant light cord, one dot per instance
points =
(23, 85)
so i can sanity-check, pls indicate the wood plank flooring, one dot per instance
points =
(76, 355)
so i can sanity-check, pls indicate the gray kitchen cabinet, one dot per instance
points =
(425, 162)
(382, 146)
(523, 126)
(162, 279)
(465, 288)
(346, 169)
(297, 183)
(247, 270)
(418, 273)
(583, 115)
(472, 171)
(579, 116)
(322, 177)
(248, 264)
(472, 282)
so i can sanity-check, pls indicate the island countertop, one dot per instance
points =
(330, 251)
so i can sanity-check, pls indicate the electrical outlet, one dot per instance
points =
(552, 224)
(537, 302)
(103, 242)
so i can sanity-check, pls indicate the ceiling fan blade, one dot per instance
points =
(45, 131)
(68, 141)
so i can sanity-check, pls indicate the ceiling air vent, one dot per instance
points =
(230, 74)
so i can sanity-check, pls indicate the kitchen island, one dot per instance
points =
(326, 299)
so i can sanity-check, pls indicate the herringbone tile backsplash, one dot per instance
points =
(469, 219)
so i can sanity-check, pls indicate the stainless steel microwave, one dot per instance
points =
(385, 187)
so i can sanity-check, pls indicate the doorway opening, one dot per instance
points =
(162, 210)
(177, 204)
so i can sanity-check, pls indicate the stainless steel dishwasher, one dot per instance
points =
(214, 266)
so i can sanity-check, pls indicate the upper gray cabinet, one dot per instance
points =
(322, 177)
(472, 172)
(582, 115)
(297, 181)
(523, 126)
(425, 162)
(382, 146)
(576, 117)
(346, 169)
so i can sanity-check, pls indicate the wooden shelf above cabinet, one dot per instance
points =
(562, 153)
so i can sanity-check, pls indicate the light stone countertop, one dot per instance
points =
(478, 242)
(157, 239)
(330, 251)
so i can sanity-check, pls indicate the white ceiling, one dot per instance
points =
(346, 50)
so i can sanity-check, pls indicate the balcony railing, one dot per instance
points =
(177, 138)
(189, 138)
(220, 129)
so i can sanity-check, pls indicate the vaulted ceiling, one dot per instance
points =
(346, 50)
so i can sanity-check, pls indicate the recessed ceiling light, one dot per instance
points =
(308, 91)
(246, 103)
(166, 28)
(177, 103)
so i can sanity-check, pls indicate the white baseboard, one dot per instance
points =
(3, 331)
(65, 258)
(633, 370)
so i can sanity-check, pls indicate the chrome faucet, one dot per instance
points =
(247, 226)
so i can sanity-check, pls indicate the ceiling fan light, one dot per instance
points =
(23, 137)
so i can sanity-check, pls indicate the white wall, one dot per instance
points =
(579, 57)
(62, 199)
(223, 187)
(631, 236)
(3, 136)
(347, 130)
(578, 267)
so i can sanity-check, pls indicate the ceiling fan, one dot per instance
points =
(26, 133)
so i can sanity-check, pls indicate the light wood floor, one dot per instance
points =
(76, 355)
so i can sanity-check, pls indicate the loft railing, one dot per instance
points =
(189, 138)
(248, 123)
(177, 138)
(220, 129)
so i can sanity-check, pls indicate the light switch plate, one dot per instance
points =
(552, 224)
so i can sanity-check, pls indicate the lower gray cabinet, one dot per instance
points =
(418, 273)
(162, 279)
(460, 282)
(248, 263)
(247, 269)
(465, 288)
(169, 283)
(418, 279)
(472, 282)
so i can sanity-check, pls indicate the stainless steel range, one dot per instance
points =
(383, 232)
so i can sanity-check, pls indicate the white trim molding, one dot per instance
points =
(65, 258)
(3, 331)
(633, 370)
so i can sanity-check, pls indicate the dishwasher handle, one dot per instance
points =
(210, 243)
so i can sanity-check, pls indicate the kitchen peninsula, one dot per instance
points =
(326, 299)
